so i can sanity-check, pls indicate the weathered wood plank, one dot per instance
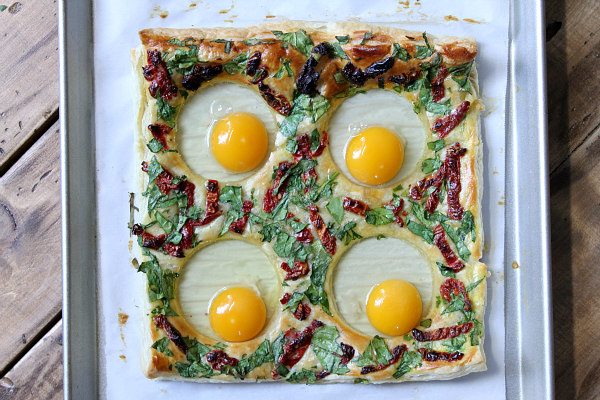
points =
(575, 194)
(38, 375)
(573, 64)
(30, 269)
(29, 74)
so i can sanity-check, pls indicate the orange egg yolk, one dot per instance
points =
(239, 142)
(394, 307)
(375, 155)
(237, 314)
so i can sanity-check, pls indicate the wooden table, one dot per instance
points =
(30, 271)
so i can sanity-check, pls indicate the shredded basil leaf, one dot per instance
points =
(379, 216)
(328, 351)
(410, 360)
(299, 40)
(162, 345)
(400, 52)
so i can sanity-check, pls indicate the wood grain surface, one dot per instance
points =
(29, 72)
(30, 271)
(38, 375)
(30, 341)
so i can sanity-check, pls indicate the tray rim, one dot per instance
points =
(529, 227)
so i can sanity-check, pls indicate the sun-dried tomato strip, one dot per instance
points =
(218, 359)
(285, 299)
(347, 353)
(405, 78)
(379, 67)
(200, 73)
(417, 190)
(452, 170)
(304, 236)
(299, 270)
(172, 333)
(444, 125)
(296, 342)
(437, 84)
(277, 101)
(447, 332)
(188, 188)
(157, 74)
(327, 239)
(212, 202)
(397, 210)
(308, 78)
(149, 240)
(302, 312)
(355, 206)
(433, 356)
(253, 63)
(397, 353)
(164, 180)
(174, 250)
(439, 239)
(453, 286)
(275, 193)
(160, 132)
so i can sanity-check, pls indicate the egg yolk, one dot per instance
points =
(237, 314)
(239, 142)
(394, 307)
(375, 155)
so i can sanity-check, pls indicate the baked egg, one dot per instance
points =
(226, 132)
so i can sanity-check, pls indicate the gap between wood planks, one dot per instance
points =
(32, 343)
(26, 145)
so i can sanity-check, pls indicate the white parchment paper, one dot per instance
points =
(116, 24)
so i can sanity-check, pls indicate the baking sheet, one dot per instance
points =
(115, 31)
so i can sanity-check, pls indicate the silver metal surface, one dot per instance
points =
(79, 257)
(528, 348)
(527, 296)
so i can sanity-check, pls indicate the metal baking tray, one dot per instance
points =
(528, 324)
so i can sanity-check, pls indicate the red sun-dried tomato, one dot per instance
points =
(347, 353)
(299, 270)
(149, 240)
(433, 356)
(212, 202)
(275, 193)
(447, 332)
(277, 101)
(439, 239)
(452, 170)
(218, 359)
(302, 312)
(172, 333)
(327, 239)
(157, 74)
(296, 343)
(444, 125)
(453, 286)
(160, 132)
(355, 206)
(437, 84)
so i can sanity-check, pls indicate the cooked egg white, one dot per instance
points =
(376, 139)
(224, 287)
(225, 132)
(372, 262)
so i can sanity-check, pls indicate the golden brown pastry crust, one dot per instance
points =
(363, 53)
